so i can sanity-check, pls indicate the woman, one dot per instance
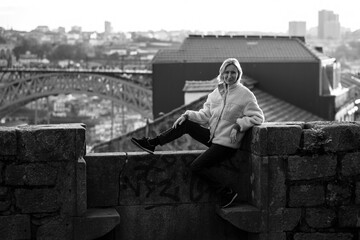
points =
(229, 111)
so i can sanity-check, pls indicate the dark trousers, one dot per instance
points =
(211, 157)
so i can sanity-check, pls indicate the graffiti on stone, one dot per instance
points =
(162, 177)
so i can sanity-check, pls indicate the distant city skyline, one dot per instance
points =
(194, 15)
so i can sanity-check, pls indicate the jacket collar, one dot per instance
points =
(223, 87)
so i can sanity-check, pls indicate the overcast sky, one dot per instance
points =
(202, 15)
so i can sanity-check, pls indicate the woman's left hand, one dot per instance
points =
(233, 134)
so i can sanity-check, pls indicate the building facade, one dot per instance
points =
(284, 67)
(328, 25)
(297, 28)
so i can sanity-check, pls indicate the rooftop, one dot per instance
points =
(212, 48)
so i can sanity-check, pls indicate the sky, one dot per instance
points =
(193, 15)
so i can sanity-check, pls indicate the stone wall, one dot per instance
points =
(307, 182)
(295, 180)
(158, 198)
(42, 181)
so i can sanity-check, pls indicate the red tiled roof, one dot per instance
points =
(244, 48)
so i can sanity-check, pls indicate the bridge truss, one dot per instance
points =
(19, 87)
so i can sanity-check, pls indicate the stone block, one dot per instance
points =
(323, 236)
(267, 236)
(81, 191)
(306, 195)
(31, 174)
(60, 228)
(338, 136)
(37, 200)
(195, 221)
(5, 205)
(339, 193)
(314, 140)
(95, 223)
(349, 216)
(103, 178)
(67, 188)
(15, 227)
(277, 187)
(3, 191)
(44, 143)
(275, 139)
(284, 219)
(310, 167)
(245, 217)
(350, 164)
(320, 217)
(357, 193)
(8, 141)
(259, 182)
(1, 171)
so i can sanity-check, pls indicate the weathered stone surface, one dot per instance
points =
(8, 142)
(67, 189)
(244, 217)
(267, 236)
(81, 191)
(357, 193)
(315, 139)
(320, 217)
(1, 171)
(95, 223)
(350, 164)
(306, 195)
(3, 191)
(337, 136)
(50, 143)
(276, 139)
(259, 181)
(345, 137)
(15, 227)
(349, 216)
(31, 174)
(60, 228)
(323, 236)
(338, 193)
(103, 178)
(175, 221)
(37, 200)
(5, 199)
(277, 187)
(5, 205)
(161, 178)
(284, 219)
(309, 167)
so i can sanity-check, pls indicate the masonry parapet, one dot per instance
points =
(296, 181)
(43, 191)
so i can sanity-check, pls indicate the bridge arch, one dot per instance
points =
(22, 91)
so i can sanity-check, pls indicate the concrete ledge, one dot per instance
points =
(95, 223)
(245, 217)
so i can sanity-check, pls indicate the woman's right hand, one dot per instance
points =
(180, 120)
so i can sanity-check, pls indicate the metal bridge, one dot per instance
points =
(18, 87)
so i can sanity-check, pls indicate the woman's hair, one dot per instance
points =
(227, 62)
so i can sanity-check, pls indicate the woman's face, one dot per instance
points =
(230, 75)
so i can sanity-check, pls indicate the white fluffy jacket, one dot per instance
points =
(228, 107)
